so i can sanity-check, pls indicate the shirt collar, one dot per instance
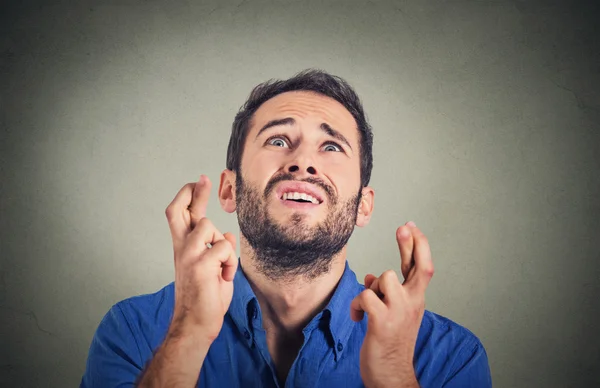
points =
(244, 308)
(340, 322)
(244, 305)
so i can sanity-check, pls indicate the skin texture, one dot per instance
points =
(288, 304)
(203, 289)
(203, 280)
(395, 313)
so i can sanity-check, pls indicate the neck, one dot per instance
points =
(288, 304)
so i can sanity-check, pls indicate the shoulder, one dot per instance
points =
(451, 351)
(150, 313)
(438, 324)
(160, 302)
(143, 319)
(126, 337)
(446, 334)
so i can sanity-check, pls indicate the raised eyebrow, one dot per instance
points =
(335, 134)
(275, 123)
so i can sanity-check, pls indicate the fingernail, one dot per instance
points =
(201, 180)
(410, 223)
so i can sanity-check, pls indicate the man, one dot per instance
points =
(289, 312)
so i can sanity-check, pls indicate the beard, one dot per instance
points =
(285, 252)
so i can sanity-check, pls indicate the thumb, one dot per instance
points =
(231, 238)
(230, 270)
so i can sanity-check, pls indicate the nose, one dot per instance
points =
(301, 164)
(294, 168)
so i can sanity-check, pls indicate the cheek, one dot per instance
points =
(345, 173)
(259, 168)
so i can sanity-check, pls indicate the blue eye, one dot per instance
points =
(332, 147)
(277, 142)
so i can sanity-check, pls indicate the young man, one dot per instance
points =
(289, 312)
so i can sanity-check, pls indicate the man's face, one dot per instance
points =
(299, 186)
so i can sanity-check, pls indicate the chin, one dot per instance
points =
(297, 219)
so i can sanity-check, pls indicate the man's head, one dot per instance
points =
(309, 80)
(298, 165)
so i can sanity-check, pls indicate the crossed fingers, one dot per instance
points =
(386, 292)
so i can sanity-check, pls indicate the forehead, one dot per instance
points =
(306, 105)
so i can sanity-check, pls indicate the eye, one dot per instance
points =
(278, 141)
(329, 147)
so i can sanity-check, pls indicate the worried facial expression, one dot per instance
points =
(298, 192)
(311, 139)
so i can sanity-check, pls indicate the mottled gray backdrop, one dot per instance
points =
(486, 117)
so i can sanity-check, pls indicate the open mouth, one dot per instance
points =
(300, 197)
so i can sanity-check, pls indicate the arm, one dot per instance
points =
(177, 362)
(203, 292)
(395, 312)
(114, 359)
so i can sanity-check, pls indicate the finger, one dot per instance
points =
(369, 278)
(231, 238)
(176, 213)
(196, 242)
(405, 245)
(230, 270)
(388, 285)
(419, 280)
(199, 202)
(221, 251)
(367, 302)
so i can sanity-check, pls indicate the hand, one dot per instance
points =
(394, 313)
(203, 275)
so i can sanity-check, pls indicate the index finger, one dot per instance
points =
(423, 269)
(405, 242)
(177, 213)
(199, 202)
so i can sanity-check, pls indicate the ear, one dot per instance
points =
(227, 191)
(365, 208)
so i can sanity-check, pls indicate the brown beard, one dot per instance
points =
(284, 252)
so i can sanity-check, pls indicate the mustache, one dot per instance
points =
(286, 176)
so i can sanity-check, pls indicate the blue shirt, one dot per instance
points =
(446, 354)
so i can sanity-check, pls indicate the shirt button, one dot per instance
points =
(246, 334)
(340, 347)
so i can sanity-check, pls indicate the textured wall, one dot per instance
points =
(486, 118)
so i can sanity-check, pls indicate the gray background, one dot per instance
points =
(486, 118)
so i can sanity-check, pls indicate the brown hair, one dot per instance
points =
(308, 80)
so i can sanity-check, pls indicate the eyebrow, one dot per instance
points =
(290, 121)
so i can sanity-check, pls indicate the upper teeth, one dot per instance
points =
(303, 196)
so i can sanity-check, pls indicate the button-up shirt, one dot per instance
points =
(446, 354)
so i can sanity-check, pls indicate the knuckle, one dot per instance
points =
(169, 213)
(193, 245)
(414, 313)
(220, 247)
(400, 231)
(205, 223)
(388, 276)
(429, 269)
(366, 295)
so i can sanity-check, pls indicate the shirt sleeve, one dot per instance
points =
(114, 358)
(472, 369)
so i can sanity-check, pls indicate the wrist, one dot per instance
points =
(188, 335)
(399, 376)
